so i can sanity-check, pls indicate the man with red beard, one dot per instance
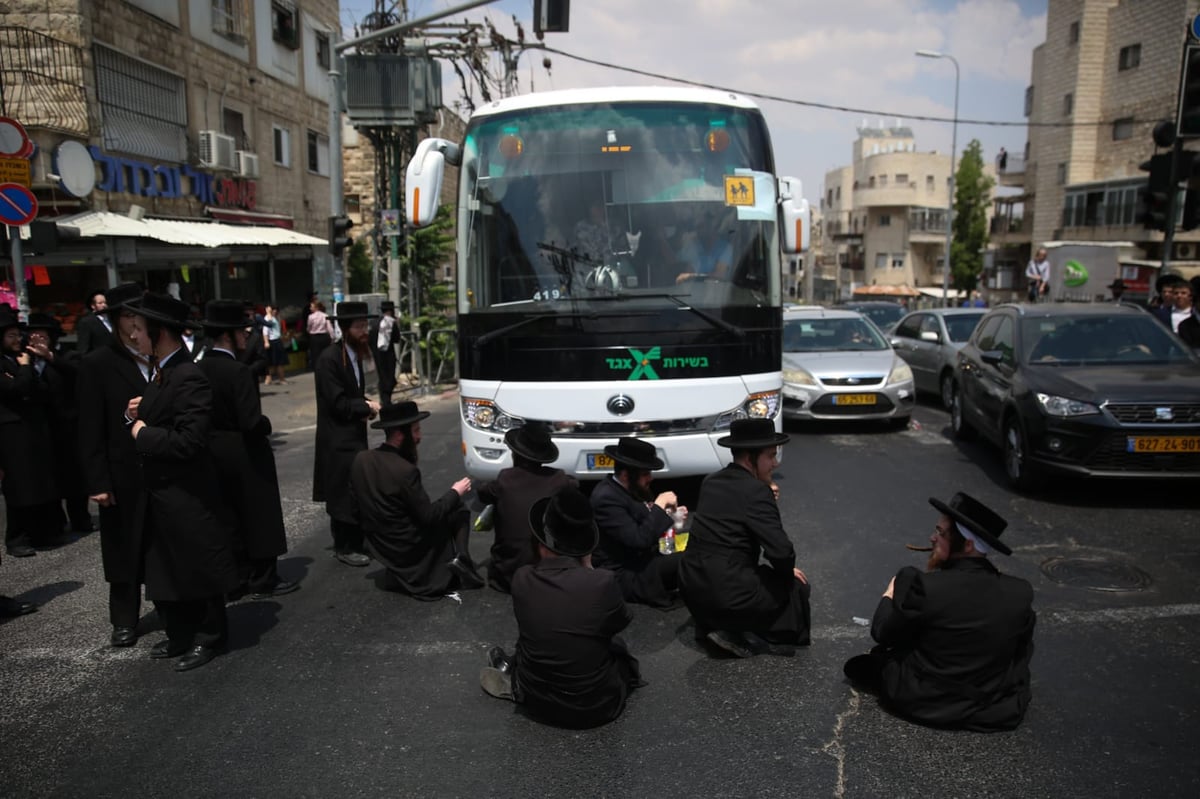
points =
(342, 414)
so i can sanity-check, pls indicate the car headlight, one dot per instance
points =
(901, 372)
(763, 405)
(798, 377)
(486, 415)
(1064, 406)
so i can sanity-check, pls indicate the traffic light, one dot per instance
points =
(1187, 122)
(339, 234)
(551, 16)
(1157, 193)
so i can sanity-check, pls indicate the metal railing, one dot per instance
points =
(441, 354)
(42, 81)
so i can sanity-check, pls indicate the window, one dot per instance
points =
(229, 19)
(898, 260)
(144, 107)
(1130, 57)
(1123, 129)
(929, 183)
(285, 23)
(234, 124)
(318, 153)
(871, 182)
(901, 179)
(1062, 174)
(985, 334)
(910, 327)
(1068, 104)
(829, 201)
(881, 260)
(282, 145)
(323, 50)
(1028, 100)
(352, 204)
(1073, 33)
(838, 193)
(885, 220)
(1004, 339)
(882, 181)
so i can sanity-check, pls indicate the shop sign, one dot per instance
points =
(172, 181)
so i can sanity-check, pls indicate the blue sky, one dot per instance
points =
(856, 53)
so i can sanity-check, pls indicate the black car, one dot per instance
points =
(1091, 390)
(883, 313)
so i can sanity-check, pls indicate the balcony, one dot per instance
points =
(1010, 170)
(926, 226)
(42, 82)
(1010, 230)
(886, 196)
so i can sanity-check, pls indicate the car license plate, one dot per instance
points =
(853, 399)
(598, 460)
(1162, 444)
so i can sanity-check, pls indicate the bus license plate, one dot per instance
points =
(598, 460)
(1162, 444)
(853, 399)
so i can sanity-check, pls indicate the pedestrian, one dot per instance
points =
(93, 329)
(955, 641)
(513, 493)
(738, 576)
(1002, 161)
(421, 542)
(255, 353)
(569, 668)
(319, 329)
(188, 562)
(1117, 287)
(273, 343)
(1167, 286)
(631, 520)
(1189, 326)
(385, 333)
(109, 378)
(342, 414)
(241, 447)
(1038, 275)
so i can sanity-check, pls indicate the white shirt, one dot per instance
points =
(1178, 316)
(1038, 270)
(355, 366)
(384, 340)
(104, 321)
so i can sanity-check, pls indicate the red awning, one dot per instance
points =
(250, 217)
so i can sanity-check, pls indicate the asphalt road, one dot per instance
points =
(343, 690)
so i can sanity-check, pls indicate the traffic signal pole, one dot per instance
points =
(1172, 199)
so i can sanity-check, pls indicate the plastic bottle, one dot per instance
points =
(667, 542)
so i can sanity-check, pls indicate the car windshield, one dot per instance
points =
(1094, 339)
(961, 326)
(830, 335)
(884, 316)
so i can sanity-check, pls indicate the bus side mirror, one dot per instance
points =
(423, 179)
(796, 219)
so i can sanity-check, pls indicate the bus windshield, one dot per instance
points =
(617, 205)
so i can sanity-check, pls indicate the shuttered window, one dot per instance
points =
(143, 108)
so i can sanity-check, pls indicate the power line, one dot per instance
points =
(830, 106)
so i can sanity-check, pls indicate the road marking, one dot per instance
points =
(834, 745)
(297, 429)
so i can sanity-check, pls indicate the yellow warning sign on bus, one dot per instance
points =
(739, 190)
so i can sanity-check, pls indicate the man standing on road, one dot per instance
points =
(569, 668)
(342, 414)
(384, 335)
(1038, 275)
(421, 543)
(94, 329)
(954, 642)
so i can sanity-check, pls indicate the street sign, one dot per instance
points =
(14, 141)
(739, 190)
(1194, 27)
(16, 170)
(18, 206)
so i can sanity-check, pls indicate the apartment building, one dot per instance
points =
(1108, 70)
(885, 214)
(151, 116)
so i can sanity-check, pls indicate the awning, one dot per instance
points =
(250, 217)
(954, 294)
(98, 224)
(885, 291)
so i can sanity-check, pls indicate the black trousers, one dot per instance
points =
(124, 604)
(262, 575)
(194, 622)
(385, 368)
(347, 537)
(317, 342)
(654, 585)
(77, 515)
(866, 671)
(31, 525)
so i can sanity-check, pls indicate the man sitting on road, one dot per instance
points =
(954, 642)
(631, 524)
(569, 667)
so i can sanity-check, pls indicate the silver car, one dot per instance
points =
(837, 365)
(930, 340)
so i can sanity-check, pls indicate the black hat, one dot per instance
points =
(634, 453)
(564, 524)
(164, 309)
(976, 517)
(1117, 284)
(352, 310)
(398, 415)
(119, 296)
(532, 442)
(225, 315)
(8, 319)
(752, 434)
(42, 321)
(387, 305)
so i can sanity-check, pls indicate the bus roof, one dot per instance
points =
(612, 94)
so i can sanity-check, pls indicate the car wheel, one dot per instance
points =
(1020, 473)
(958, 425)
(947, 386)
(899, 422)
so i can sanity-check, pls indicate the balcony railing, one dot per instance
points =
(1010, 164)
(41, 81)
(1002, 225)
(927, 221)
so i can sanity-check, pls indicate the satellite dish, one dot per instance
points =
(75, 168)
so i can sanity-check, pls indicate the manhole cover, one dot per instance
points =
(1098, 575)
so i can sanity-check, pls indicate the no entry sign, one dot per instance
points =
(18, 206)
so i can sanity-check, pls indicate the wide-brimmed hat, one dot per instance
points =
(352, 310)
(8, 319)
(121, 295)
(398, 415)
(976, 517)
(225, 315)
(42, 321)
(752, 434)
(164, 309)
(532, 442)
(1117, 284)
(387, 305)
(634, 453)
(564, 523)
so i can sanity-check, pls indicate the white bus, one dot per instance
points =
(618, 271)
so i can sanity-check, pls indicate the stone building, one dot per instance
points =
(181, 144)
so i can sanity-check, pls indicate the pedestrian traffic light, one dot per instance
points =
(551, 16)
(1187, 121)
(339, 234)
(1157, 194)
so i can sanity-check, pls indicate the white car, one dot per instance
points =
(837, 365)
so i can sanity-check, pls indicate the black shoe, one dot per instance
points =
(11, 608)
(498, 660)
(282, 587)
(496, 683)
(164, 649)
(763, 646)
(353, 558)
(465, 569)
(123, 636)
(22, 551)
(83, 528)
(237, 593)
(52, 541)
(733, 643)
(196, 657)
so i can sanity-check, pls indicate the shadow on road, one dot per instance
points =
(45, 594)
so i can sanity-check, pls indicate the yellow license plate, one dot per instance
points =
(853, 399)
(1162, 444)
(598, 460)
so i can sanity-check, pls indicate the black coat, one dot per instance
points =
(108, 379)
(188, 546)
(569, 669)
(241, 448)
(629, 530)
(513, 492)
(1189, 331)
(27, 456)
(721, 579)
(91, 334)
(255, 355)
(409, 534)
(342, 415)
(958, 644)
(62, 378)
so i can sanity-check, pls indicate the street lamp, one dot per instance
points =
(953, 154)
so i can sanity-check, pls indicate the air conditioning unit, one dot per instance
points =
(247, 164)
(1184, 251)
(217, 150)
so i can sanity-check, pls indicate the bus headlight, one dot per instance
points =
(486, 415)
(763, 405)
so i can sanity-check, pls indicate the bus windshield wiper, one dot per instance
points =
(500, 331)
(715, 321)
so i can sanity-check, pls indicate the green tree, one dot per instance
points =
(358, 268)
(426, 252)
(972, 197)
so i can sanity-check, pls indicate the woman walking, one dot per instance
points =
(273, 339)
